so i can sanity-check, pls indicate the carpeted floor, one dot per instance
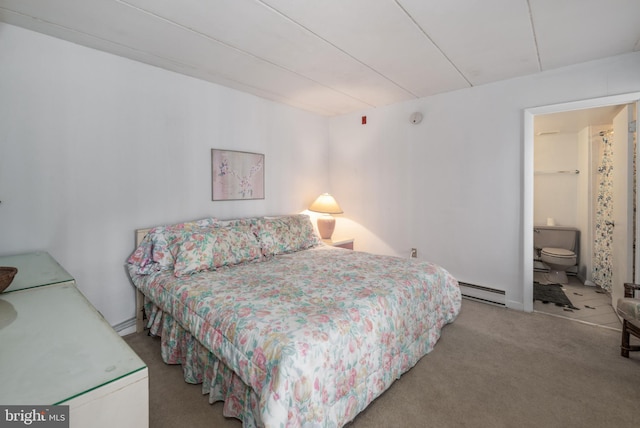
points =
(551, 293)
(493, 367)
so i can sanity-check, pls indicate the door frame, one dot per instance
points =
(622, 262)
(527, 179)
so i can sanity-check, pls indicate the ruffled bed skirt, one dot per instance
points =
(199, 365)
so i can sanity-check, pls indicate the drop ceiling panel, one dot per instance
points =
(488, 40)
(260, 31)
(167, 45)
(378, 33)
(337, 56)
(298, 99)
(113, 21)
(574, 31)
(65, 33)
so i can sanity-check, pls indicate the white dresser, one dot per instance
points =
(56, 349)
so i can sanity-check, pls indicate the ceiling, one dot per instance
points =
(574, 121)
(337, 56)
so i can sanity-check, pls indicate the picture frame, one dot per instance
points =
(236, 175)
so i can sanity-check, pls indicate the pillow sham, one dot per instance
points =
(235, 244)
(154, 252)
(214, 247)
(237, 222)
(194, 253)
(280, 235)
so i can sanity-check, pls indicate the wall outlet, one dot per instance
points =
(414, 253)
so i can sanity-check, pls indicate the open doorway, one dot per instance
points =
(576, 109)
(572, 201)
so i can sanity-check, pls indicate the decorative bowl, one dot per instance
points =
(6, 276)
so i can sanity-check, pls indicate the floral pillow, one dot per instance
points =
(286, 234)
(154, 252)
(141, 260)
(237, 222)
(210, 248)
(235, 244)
(194, 253)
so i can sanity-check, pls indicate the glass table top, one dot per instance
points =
(34, 270)
(55, 346)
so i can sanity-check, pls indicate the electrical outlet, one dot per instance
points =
(414, 253)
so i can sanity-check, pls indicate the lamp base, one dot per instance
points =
(326, 225)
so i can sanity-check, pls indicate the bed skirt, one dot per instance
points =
(199, 365)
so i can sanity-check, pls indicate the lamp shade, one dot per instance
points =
(326, 204)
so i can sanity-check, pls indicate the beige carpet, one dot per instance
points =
(493, 367)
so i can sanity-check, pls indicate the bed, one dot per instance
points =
(284, 329)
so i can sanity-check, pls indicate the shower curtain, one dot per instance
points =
(602, 265)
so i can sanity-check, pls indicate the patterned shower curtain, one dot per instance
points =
(602, 265)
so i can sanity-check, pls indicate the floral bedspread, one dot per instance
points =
(316, 334)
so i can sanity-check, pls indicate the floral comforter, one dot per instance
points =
(317, 334)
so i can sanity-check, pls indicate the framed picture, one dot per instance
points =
(236, 175)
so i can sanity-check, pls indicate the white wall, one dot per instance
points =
(556, 194)
(93, 146)
(455, 181)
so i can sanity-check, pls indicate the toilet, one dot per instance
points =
(558, 260)
(555, 250)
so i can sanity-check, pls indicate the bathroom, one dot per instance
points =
(569, 151)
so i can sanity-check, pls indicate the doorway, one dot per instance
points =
(572, 169)
(528, 185)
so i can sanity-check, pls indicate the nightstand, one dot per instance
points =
(343, 243)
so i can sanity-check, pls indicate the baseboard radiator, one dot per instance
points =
(483, 294)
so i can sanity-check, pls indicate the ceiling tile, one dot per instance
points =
(574, 31)
(254, 28)
(336, 56)
(380, 34)
(122, 30)
(487, 40)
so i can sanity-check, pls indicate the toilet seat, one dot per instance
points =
(558, 260)
(558, 253)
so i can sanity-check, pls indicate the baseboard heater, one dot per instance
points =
(482, 294)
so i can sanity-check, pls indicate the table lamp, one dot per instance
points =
(326, 205)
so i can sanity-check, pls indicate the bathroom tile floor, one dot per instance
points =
(593, 307)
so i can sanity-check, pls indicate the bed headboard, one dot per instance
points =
(140, 234)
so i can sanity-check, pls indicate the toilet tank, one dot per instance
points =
(555, 237)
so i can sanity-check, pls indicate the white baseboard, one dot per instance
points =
(126, 327)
